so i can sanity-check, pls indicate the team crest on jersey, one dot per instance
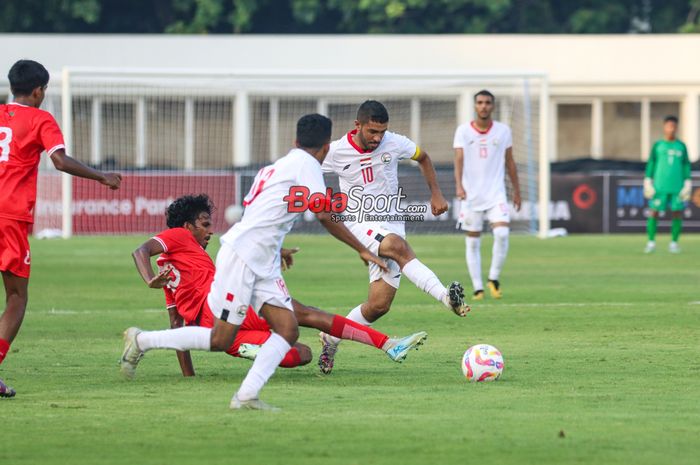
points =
(495, 142)
(386, 158)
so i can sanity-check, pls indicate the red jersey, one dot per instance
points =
(25, 132)
(192, 275)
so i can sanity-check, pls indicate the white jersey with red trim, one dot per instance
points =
(258, 237)
(483, 174)
(376, 172)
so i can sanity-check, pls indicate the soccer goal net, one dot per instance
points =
(175, 132)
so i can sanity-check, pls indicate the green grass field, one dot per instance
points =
(601, 343)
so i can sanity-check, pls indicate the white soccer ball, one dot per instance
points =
(233, 214)
(482, 362)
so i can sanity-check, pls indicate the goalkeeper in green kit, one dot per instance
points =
(667, 183)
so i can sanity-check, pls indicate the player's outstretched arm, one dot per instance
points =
(142, 260)
(343, 234)
(70, 165)
(438, 203)
(459, 169)
(184, 358)
(513, 175)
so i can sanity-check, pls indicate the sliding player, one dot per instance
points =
(248, 270)
(367, 158)
(26, 132)
(667, 184)
(483, 151)
(186, 273)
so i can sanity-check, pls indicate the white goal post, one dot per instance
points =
(155, 123)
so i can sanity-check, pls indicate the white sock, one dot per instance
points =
(474, 261)
(269, 357)
(357, 316)
(500, 250)
(185, 338)
(354, 315)
(425, 279)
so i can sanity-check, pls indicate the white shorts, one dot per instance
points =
(235, 287)
(473, 221)
(371, 235)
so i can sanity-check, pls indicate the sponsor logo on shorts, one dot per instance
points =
(241, 311)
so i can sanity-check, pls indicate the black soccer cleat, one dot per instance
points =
(455, 294)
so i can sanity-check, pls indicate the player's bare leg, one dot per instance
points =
(356, 327)
(396, 248)
(381, 295)
(16, 297)
(286, 332)
(473, 257)
(501, 232)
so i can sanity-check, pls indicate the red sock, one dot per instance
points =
(4, 349)
(292, 359)
(348, 329)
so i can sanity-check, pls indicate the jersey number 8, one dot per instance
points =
(5, 139)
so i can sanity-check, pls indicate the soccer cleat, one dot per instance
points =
(327, 357)
(132, 354)
(494, 288)
(455, 297)
(650, 247)
(478, 295)
(674, 248)
(249, 351)
(398, 348)
(5, 390)
(252, 404)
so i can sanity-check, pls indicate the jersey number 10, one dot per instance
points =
(367, 175)
(5, 139)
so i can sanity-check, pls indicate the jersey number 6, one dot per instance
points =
(5, 139)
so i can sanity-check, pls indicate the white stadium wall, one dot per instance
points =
(601, 96)
(602, 81)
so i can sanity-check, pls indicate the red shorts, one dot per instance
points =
(254, 329)
(14, 247)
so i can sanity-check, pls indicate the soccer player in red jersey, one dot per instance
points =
(185, 274)
(26, 132)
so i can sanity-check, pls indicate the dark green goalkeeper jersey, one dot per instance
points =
(668, 166)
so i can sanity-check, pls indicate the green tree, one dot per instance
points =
(356, 17)
(692, 21)
(43, 16)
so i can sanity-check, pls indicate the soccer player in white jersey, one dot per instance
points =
(366, 161)
(248, 270)
(483, 150)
